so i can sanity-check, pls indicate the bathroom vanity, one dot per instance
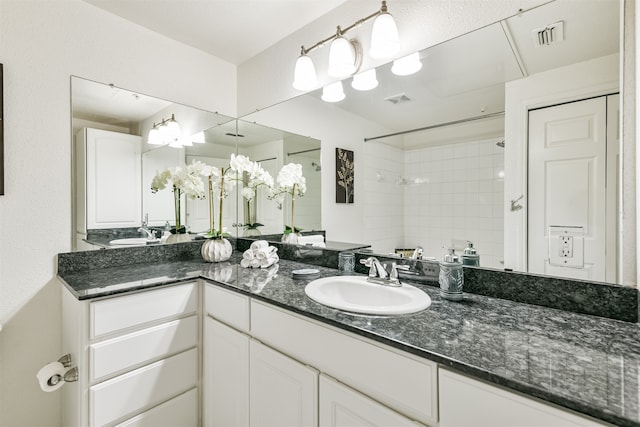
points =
(193, 343)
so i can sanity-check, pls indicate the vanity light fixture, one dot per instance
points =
(345, 56)
(333, 92)
(365, 81)
(166, 132)
(407, 65)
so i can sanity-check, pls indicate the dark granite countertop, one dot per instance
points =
(585, 363)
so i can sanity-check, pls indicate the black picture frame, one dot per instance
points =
(345, 172)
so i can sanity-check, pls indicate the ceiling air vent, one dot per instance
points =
(551, 34)
(397, 99)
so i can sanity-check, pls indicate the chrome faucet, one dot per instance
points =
(378, 273)
(145, 228)
(417, 253)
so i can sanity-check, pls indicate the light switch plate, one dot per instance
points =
(566, 246)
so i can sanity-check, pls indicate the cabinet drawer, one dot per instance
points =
(131, 350)
(403, 382)
(120, 313)
(143, 388)
(179, 411)
(227, 306)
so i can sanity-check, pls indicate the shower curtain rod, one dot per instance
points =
(264, 160)
(455, 122)
(303, 151)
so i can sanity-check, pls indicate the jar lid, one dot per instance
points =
(469, 250)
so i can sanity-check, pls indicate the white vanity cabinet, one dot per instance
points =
(108, 180)
(138, 358)
(465, 402)
(268, 373)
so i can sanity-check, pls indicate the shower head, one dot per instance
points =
(317, 166)
(500, 144)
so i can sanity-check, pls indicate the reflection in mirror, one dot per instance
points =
(272, 149)
(115, 163)
(444, 150)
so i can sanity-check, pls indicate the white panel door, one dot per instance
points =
(197, 216)
(566, 187)
(226, 376)
(113, 179)
(283, 392)
(341, 406)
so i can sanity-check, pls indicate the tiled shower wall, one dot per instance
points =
(436, 197)
(454, 193)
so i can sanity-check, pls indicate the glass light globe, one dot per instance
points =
(333, 92)
(154, 137)
(365, 81)
(173, 129)
(384, 37)
(342, 58)
(407, 65)
(304, 75)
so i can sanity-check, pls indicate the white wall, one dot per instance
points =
(42, 43)
(334, 127)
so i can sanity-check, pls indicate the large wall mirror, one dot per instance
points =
(115, 163)
(493, 127)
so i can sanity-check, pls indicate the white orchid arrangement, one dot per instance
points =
(290, 181)
(183, 180)
(224, 179)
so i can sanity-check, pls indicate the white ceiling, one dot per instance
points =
(233, 30)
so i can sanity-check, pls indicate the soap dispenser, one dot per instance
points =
(451, 277)
(470, 256)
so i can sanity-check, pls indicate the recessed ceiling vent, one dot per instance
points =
(398, 99)
(551, 34)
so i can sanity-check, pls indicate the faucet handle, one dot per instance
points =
(371, 263)
(394, 269)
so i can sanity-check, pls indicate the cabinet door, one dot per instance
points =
(226, 376)
(465, 402)
(113, 168)
(341, 406)
(283, 392)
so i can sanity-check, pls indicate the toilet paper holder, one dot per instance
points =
(69, 376)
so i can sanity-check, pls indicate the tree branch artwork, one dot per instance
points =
(344, 176)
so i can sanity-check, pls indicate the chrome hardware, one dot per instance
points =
(378, 273)
(514, 204)
(65, 360)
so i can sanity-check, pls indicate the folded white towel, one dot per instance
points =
(315, 238)
(266, 252)
(259, 244)
(316, 244)
(255, 263)
(268, 262)
(248, 254)
(245, 263)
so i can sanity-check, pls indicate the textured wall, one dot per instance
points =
(42, 43)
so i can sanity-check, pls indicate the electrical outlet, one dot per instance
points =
(566, 246)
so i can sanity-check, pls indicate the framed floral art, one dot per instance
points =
(344, 176)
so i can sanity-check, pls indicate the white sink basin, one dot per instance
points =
(132, 241)
(355, 294)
